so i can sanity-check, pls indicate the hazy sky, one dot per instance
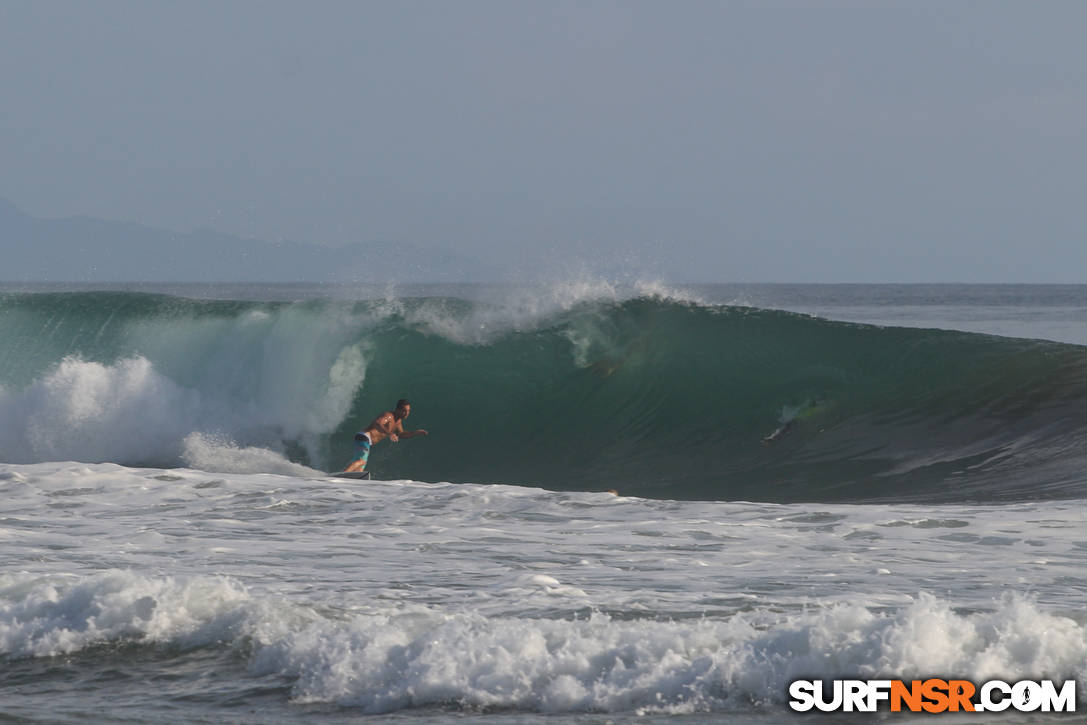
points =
(718, 141)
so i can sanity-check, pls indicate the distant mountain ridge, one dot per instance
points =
(85, 249)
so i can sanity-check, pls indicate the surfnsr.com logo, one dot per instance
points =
(932, 695)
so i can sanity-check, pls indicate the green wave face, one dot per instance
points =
(646, 396)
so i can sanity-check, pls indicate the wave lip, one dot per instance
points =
(411, 657)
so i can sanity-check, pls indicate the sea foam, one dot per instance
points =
(129, 411)
(413, 656)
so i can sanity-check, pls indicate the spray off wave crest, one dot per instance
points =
(585, 387)
(128, 411)
(392, 659)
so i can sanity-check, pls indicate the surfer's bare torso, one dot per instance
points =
(390, 424)
(385, 426)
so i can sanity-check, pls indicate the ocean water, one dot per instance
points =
(637, 503)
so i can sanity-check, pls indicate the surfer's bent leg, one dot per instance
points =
(362, 452)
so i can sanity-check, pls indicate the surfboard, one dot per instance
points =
(359, 475)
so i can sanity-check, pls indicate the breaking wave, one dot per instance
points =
(416, 656)
(657, 395)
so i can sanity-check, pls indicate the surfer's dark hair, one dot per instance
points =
(402, 402)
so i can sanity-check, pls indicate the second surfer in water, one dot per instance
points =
(389, 424)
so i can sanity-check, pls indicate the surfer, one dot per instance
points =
(389, 424)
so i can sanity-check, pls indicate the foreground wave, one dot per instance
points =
(178, 596)
(653, 396)
(419, 656)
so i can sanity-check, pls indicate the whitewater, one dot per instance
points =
(596, 530)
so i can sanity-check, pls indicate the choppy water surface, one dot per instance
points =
(174, 594)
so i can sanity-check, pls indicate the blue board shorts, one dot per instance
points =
(362, 448)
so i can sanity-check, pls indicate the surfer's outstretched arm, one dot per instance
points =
(405, 434)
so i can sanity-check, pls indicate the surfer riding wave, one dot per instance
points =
(389, 424)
